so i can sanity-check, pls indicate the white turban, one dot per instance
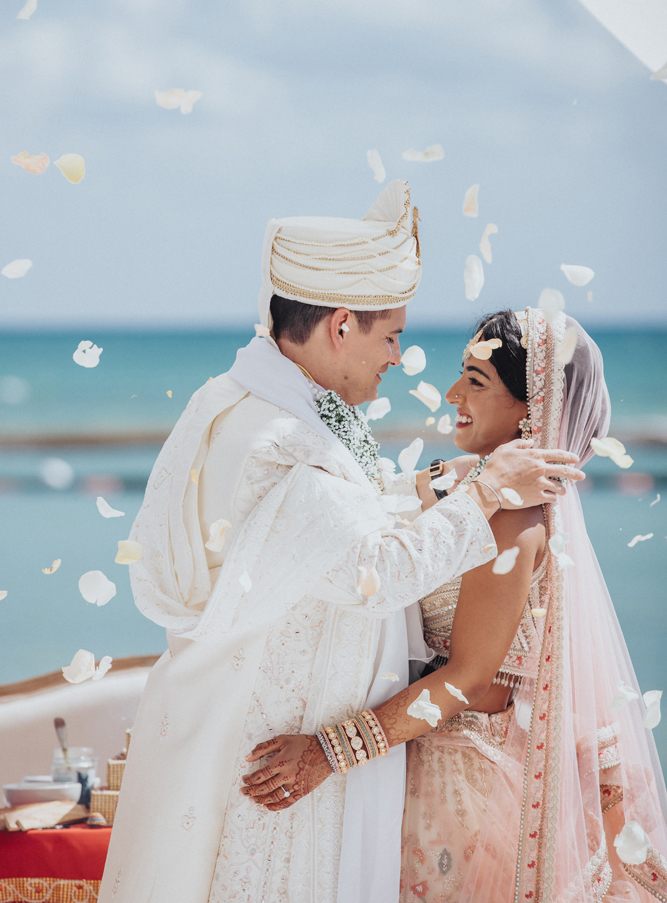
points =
(367, 264)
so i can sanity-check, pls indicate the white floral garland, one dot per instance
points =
(350, 426)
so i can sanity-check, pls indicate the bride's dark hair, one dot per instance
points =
(510, 359)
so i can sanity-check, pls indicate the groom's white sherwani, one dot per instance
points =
(269, 636)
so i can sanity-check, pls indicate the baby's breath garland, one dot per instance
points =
(349, 425)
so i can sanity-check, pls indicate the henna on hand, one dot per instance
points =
(298, 766)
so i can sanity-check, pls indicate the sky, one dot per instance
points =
(533, 99)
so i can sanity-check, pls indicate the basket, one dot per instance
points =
(115, 770)
(104, 802)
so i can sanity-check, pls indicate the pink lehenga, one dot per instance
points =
(525, 805)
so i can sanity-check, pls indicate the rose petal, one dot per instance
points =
(538, 612)
(3, 594)
(590, 296)
(577, 275)
(639, 538)
(551, 303)
(96, 588)
(190, 98)
(473, 277)
(345, 327)
(430, 155)
(389, 675)
(427, 394)
(103, 667)
(504, 563)
(632, 844)
(171, 99)
(512, 496)
(484, 349)
(72, 166)
(129, 551)
(652, 714)
(169, 393)
(485, 245)
(82, 667)
(445, 424)
(413, 360)
(607, 447)
(375, 163)
(194, 476)
(16, 269)
(407, 459)
(245, 582)
(27, 10)
(56, 473)
(106, 510)
(377, 409)
(430, 421)
(566, 347)
(470, 202)
(455, 692)
(369, 581)
(655, 500)
(263, 332)
(624, 696)
(387, 464)
(425, 710)
(34, 164)
(216, 535)
(54, 567)
(557, 546)
(87, 354)
(446, 481)
(623, 461)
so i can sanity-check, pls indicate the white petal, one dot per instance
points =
(639, 538)
(3, 594)
(660, 75)
(96, 588)
(103, 667)
(106, 510)
(470, 203)
(606, 448)
(577, 275)
(245, 582)
(557, 545)
(413, 360)
(551, 302)
(430, 421)
(190, 98)
(129, 551)
(375, 163)
(377, 409)
(54, 567)
(446, 481)
(483, 349)
(56, 473)
(505, 561)
(430, 155)
(87, 355)
(632, 844)
(538, 612)
(567, 346)
(399, 504)
(455, 692)
(407, 459)
(623, 461)
(389, 675)
(387, 464)
(473, 277)
(16, 268)
(624, 696)
(170, 100)
(262, 331)
(216, 535)
(27, 10)
(655, 500)
(369, 581)
(345, 327)
(425, 710)
(445, 424)
(652, 716)
(72, 166)
(428, 394)
(512, 496)
(82, 667)
(485, 244)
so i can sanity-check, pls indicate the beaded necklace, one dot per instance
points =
(477, 469)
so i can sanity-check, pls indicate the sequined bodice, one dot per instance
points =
(438, 611)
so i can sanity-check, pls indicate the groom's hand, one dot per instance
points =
(297, 766)
(533, 473)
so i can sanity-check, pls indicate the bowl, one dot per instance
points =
(33, 792)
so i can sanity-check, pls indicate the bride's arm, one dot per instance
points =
(487, 618)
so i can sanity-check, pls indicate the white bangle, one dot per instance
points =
(500, 501)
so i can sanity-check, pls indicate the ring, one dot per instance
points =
(286, 793)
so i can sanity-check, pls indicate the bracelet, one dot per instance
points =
(500, 501)
(353, 742)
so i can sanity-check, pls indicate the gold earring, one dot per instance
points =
(526, 429)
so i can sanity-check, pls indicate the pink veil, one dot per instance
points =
(575, 770)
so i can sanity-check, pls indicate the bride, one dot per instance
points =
(540, 761)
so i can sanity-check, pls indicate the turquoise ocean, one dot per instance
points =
(107, 423)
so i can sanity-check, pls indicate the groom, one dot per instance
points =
(285, 586)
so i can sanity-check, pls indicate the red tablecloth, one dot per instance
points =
(74, 852)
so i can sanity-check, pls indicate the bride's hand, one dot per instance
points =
(297, 766)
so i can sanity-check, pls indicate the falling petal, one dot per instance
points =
(455, 692)
(245, 582)
(473, 277)
(375, 163)
(3, 594)
(484, 349)
(56, 473)
(655, 500)
(16, 269)
(566, 347)
(377, 409)
(190, 98)
(96, 588)
(413, 360)
(577, 275)
(87, 355)
(632, 844)
(345, 327)
(169, 393)
(430, 421)
(551, 303)
(430, 155)
(485, 244)
(427, 394)
(36, 165)
(445, 424)
(82, 667)
(470, 203)
(194, 476)
(425, 710)
(639, 538)
(590, 296)
(538, 612)
(72, 166)
(27, 10)
(624, 696)
(369, 581)
(106, 510)
(216, 535)
(623, 461)
(262, 332)
(652, 715)
(171, 99)
(504, 563)
(389, 675)
(660, 75)
(445, 482)
(387, 464)
(129, 551)
(557, 545)
(608, 447)
(407, 459)
(103, 667)
(512, 496)
(402, 520)
(54, 567)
